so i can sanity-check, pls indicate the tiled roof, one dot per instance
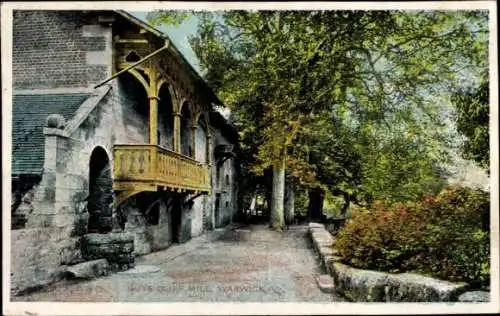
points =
(29, 112)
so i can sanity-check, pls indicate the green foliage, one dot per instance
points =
(349, 97)
(473, 122)
(169, 17)
(401, 169)
(446, 236)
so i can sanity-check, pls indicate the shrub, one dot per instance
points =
(446, 236)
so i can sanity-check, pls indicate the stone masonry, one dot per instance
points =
(68, 52)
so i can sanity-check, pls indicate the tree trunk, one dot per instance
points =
(278, 197)
(253, 203)
(315, 208)
(289, 204)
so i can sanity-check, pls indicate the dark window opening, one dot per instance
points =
(227, 179)
(132, 57)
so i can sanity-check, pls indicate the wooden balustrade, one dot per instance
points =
(147, 167)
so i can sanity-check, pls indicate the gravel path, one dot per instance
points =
(251, 264)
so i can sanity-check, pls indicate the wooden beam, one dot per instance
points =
(131, 41)
(167, 44)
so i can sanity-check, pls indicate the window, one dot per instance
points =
(227, 179)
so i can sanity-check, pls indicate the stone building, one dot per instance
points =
(115, 139)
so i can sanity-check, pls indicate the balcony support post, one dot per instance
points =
(153, 116)
(153, 108)
(193, 140)
(208, 145)
(153, 120)
(177, 132)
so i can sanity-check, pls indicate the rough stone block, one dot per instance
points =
(321, 243)
(325, 283)
(329, 261)
(410, 287)
(325, 251)
(316, 225)
(70, 252)
(98, 239)
(359, 285)
(89, 269)
(115, 247)
(474, 296)
(374, 286)
(322, 235)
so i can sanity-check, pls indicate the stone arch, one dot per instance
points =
(100, 197)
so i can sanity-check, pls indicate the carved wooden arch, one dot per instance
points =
(204, 118)
(190, 107)
(137, 75)
(171, 91)
(170, 88)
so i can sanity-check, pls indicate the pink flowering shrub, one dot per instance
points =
(446, 236)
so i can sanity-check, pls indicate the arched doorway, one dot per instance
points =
(100, 193)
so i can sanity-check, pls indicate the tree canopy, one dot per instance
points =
(347, 100)
(472, 108)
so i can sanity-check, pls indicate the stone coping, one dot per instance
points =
(375, 286)
(108, 238)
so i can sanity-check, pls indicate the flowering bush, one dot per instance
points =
(446, 236)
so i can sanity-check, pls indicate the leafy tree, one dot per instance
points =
(168, 17)
(473, 122)
(345, 100)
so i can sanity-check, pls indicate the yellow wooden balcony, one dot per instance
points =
(152, 168)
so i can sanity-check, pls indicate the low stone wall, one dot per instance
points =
(374, 286)
(116, 248)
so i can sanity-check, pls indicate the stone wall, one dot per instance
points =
(36, 255)
(66, 50)
(59, 49)
(148, 236)
(131, 111)
(224, 183)
(374, 286)
(201, 145)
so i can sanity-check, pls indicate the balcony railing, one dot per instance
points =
(147, 167)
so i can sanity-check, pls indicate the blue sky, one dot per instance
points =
(179, 36)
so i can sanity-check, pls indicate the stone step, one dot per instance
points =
(325, 283)
(89, 269)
